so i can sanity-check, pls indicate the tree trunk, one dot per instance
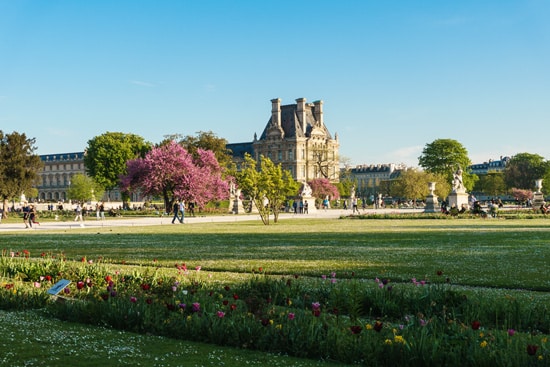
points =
(5, 206)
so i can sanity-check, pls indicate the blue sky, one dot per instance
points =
(393, 75)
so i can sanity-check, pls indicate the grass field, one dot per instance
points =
(501, 255)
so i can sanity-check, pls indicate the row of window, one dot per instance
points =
(64, 167)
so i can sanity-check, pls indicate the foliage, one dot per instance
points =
(207, 140)
(322, 187)
(521, 195)
(524, 168)
(268, 188)
(445, 156)
(413, 184)
(170, 171)
(19, 166)
(84, 188)
(106, 156)
(491, 184)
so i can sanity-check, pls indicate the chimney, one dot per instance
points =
(276, 111)
(318, 106)
(301, 112)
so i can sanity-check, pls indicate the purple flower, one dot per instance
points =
(196, 307)
(221, 314)
(133, 299)
(291, 316)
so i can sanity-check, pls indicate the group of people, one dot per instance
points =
(178, 209)
(300, 207)
(30, 216)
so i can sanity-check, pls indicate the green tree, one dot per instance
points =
(491, 184)
(413, 184)
(444, 157)
(523, 169)
(207, 140)
(270, 185)
(106, 156)
(84, 188)
(19, 166)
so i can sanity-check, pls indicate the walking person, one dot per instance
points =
(191, 208)
(182, 211)
(102, 210)
(26, 215)
(175, 209)
(33, 216)
(78, 214)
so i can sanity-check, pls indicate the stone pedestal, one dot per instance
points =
(432, 204)
(236, 206)
(310, 204)
(458, 199)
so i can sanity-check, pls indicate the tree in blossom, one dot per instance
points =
(173, 173)
(322, 187)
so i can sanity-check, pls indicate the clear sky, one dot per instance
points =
(393, 75)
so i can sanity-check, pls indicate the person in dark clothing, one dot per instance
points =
(176, 209)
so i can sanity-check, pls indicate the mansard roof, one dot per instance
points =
(76, 156)
(291, 125)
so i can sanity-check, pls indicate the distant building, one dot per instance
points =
(370, 177)
(490, 166)
(55, 178)
(297, 138)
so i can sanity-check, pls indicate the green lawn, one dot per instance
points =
(491, 253)
(504, 255)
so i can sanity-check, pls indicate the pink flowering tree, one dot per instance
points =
(172, 172)
(322, 187)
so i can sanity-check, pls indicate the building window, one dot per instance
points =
(290, 155)
(280, 155)
(303, 154)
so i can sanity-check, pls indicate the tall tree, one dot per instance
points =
(491, 184)
(173, 173)
(445, 156)
(523, 169)
(413, 184)
(19, 166)
(106, 156)
(269, 185)
(207, 140)
(83, 188)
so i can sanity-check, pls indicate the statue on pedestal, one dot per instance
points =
(458, 183)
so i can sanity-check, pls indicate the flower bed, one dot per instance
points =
(425, 322)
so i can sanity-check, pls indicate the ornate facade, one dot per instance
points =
(297, 138)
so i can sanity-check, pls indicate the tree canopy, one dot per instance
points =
(106, 156)
(322, 187)
(413, 184)
(205, 140)
(445, 156)
(270, 183)
(83, 188)
(19, 166)
(172, 172)
(524, 168)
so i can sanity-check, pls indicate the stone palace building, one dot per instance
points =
(296, 137)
